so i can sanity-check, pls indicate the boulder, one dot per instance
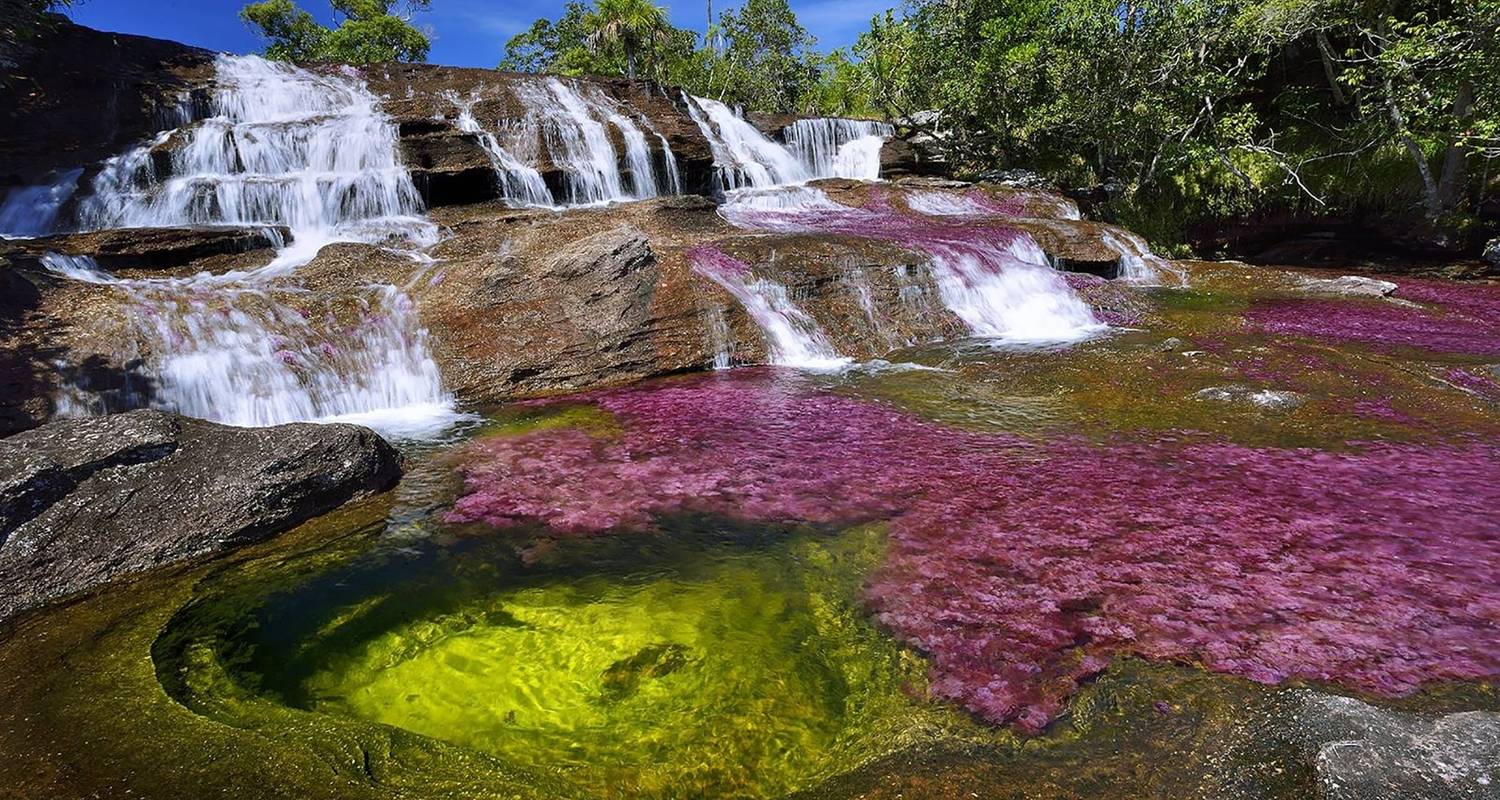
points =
(84, 501)
(1492, 254)
(902, 157)
(1349, 286)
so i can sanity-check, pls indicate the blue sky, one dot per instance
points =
(468, 33)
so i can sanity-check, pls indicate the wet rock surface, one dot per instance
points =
(85, 501)
(155, 249)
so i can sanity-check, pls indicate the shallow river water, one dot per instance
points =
(1228, 554)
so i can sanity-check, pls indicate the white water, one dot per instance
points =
(290, 147)
(519, 183)
(576, 142)
(637, 151)
(1001, 287)
(838, 148)
(946, 204)
(743, 156)
(284, 146)
(1137, 263)
(32, 210)
(792, 337)
(253, 355)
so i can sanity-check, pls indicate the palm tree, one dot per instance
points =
(632, 24)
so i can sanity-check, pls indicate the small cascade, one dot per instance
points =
(285, 146)
(669, 163)
(743, 156)
(519, 183)
(251, 354)
(637, 151)
(577, 142)
(1137, 263)
(32, 210)
(995, 279)
(838, 148)
(794, 338)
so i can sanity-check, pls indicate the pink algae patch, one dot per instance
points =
(1022, 568)
(1452, 317)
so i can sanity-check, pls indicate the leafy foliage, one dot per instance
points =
(370, 31)
(758, 56)
(1207, 108)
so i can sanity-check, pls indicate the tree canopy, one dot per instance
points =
(757, 56)
(1201, 108)
(369, 31)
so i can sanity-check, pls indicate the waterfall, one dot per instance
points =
(794, 339)
(1137, 263)
(285, 146)
(576, 142)
(838, 148)
(32, 210)
(669, 162)
(519, 183)
(995, 279)
(637, 152)
(743, 156)
(252, 354)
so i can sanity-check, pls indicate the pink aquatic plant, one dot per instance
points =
(1453, 318)
(1023, 567)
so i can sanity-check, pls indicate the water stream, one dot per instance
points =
(282, 146)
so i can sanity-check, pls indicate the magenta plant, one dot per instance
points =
(1023, 567)
(1451, 317)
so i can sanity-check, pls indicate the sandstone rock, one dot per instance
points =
(148, 248)
(1349, 286)
(1269, 399)
(84, 501)
(90, 95)
(901, 157)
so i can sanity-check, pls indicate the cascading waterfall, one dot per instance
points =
(669, 163)
(637, 151)
(254, 354)
(284, 146)
(996, 280)
(32, 210)
(1137, 263)
(577, 142)
(838, 148)
(743, 156)
(793, 337)
(519, 183)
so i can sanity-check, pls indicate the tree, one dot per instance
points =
(638, 27)
(369, 31)
(545, 44)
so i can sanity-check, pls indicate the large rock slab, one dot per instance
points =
(148, 248)
(84, 501)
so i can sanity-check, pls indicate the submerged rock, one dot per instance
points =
(1264, 398)
(1352, 750)
(84, 501)
(1349, 286)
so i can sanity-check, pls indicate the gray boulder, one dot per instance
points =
(83, 501)
(1492, 254)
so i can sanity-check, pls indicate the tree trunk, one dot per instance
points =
(1325, 53)
(1455, 172)
(1429, 183)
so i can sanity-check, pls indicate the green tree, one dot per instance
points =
(369, 31)
(637, 27)
(543, 46)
